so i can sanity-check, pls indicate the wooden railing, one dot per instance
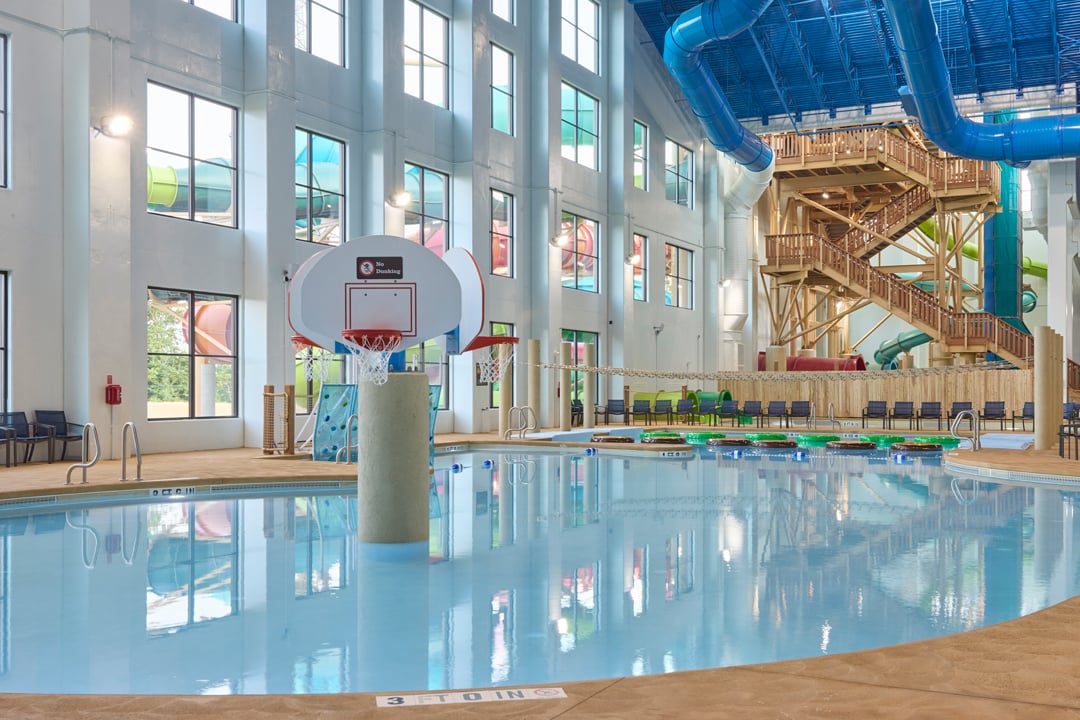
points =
(942, 175)
(903, 213)
(973, 331)
(1073, 375)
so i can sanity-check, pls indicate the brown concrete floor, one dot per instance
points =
(1026, 668)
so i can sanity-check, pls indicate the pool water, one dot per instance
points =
(542, 568)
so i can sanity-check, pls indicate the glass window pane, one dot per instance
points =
(326, 28)
(434, 82)
(586, 52)
(587, 12)
(222, 8)
(167, 119)
(412, 25)
(213, 131)
(167, 386)
(412, 72)
(503, 9)
(569, 49)
(435, 29)
(300, 25)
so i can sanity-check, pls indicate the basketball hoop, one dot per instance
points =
(317, 360)
(497, 356)
(371, 351)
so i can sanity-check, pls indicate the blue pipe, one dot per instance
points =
(714, 20)
(1016, 142)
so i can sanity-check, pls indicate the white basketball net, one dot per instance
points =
(371, 356)
(317, 363)
(494, 363)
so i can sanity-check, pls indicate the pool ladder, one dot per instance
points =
(976, 432)
(90, 431)
(525, 421)
(346, 449)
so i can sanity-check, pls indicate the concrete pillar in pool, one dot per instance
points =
(392, 474)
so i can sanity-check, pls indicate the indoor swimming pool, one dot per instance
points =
(543, 567)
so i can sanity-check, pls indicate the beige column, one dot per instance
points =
(506, 387)
(588, 395)
(533, 398)
(392, 476)
(776, 358)
(566, 356)
(938, 357)
(1049, 386)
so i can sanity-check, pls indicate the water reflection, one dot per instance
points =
(542, 568)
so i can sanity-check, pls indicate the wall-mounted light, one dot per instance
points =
(633, 259)
(561, 240)
(399, 199)
(825, 196)
(114, 126)
(726, 283)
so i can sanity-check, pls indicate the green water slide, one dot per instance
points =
(886, 353)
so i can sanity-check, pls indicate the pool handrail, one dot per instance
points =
(973, 416)
(124, 451)
(348, 447)
(88, 430)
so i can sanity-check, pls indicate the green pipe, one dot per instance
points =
(1034, 268)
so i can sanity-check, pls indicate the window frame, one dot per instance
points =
(505, 95)
(419, 204)
(5, 294)
(640, 156)
(202, 5)
(416, 359)
(571, 252)
(571, 118)
(424, 58)
(308, 28)
(309, 186)
(683, 157)
(571, 27)
(190, 159)
(639, 267)
(510, 16)
(576, 338)
(195, 298)
(681, 279)
(5, 147)
(507, 238)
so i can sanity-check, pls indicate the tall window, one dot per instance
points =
(320, 185)
(578, 339)
(3, 340)
(191, 366)
(320, 29)
(503, 9)
(678, 173)
(223, 8)
(502, 233)
(580, 127)
(428, 357)
(190, 156)
(580, 253)
(3, 113)
(499, 329)
(502, 90)
(427, 216)
(427, 54)
(581, 32)
(678, 277)
(641, 156)
(639, 266)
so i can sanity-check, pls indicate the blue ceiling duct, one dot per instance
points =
(1016, 142)
(695, 28)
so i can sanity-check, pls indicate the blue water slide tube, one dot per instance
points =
(929, 96)
(695, 28)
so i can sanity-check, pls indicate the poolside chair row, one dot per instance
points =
(707, 411)
(50, 427)
(934, 410)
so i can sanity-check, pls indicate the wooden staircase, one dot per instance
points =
(816, 259)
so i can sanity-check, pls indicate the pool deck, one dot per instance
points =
(1026, 668)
